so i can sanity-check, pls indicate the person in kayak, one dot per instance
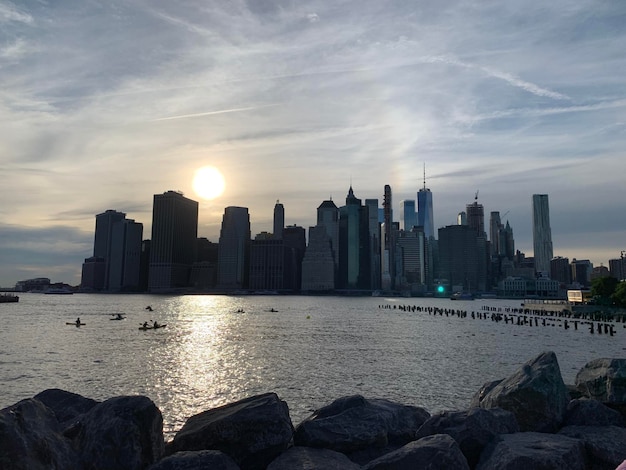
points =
(145, 324)
(155, 324)
(78, 321)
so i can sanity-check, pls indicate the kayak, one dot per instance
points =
(74, 323)
(152, 327)
(123, 318)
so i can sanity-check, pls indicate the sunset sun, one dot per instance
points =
(208, 182)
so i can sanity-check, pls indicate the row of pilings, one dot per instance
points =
(521, 317)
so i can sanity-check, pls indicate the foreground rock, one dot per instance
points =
(535, 394)
(213, 459)
(253, 431)
(603, 380)
(354, 425)
(308, 458)
(605, 445)
(472, 430)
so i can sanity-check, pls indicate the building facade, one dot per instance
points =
(173, 244)
(233, 251)
(542, 233)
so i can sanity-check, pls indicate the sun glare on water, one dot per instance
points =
(208, 182)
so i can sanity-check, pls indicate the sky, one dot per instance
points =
(104, 104)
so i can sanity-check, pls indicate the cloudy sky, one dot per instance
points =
(105, 103)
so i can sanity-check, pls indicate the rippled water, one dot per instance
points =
(311, 351)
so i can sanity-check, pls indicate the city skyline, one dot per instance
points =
(104, 106)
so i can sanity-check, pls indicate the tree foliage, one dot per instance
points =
(603, 287)
(619, 296)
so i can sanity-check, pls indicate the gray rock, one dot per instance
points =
(30, 439)
(354, 423)
(535, 394)
(197, 460)
(67, 406)
(482, 393)
(533, 451)
(308, 458)
(605, 445)
(585, 412)
(472, 430)
(253, 431)
(438, 452)
(122, 433)
(603, 380)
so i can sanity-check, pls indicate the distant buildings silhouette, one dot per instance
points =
(355, 248)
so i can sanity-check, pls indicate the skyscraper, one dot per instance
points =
(542, 234)
(495, 226)
(354, 262)
(408, 214)
(476, 216)
(279, 220)
(103, 241)
(387, 238)
(328, 217)
(125, 260)
(233, 251)
(173, 247)
(425, 210)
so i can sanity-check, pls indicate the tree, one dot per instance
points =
(602, 288)
(619, 296)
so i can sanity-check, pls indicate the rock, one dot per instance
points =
(308, 458)
(605, 445)
(67, 406)
(535, 394)
(585, 412)
(253, 431)
(533, 450)
(438, 452)
(482, 393)
(30, 439)
(472, 430)
(603, 380)
(197, 460)
(122, 433)
(354, 423)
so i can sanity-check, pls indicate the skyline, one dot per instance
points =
(104, 106)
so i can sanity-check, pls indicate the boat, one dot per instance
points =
(150, 327)
(118, 316)
(8, 298)
(74, 323)
(58, 290)
(462, 296)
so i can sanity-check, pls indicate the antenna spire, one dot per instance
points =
(424, 175)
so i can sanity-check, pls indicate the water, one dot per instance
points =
(310, 352)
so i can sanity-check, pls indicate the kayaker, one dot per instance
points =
(78, 321)
(155, 324)
(145, 324)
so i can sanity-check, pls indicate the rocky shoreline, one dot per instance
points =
(530, 420)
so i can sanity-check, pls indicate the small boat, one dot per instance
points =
(462, 296)
(74, 323)
(117, 316)
(58, 290)
(8, 298)
(150, 327)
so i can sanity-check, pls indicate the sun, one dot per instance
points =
(208, 182)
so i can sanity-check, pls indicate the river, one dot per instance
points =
(310, 350)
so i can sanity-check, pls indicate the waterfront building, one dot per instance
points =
(411, 248)
(408, 216)
(234, 249)
(425, 210)
(461, 218)
(460, 258)
(279, 220)
(476, 216)
(374, 242)
(96, 280)
(560, 270)
(204, 270)
(328, 217)
(617, 268)
(294, 238)
(581, 272)
(387, 239)
(495, 230)
(542, 233)
(318, 265)
(125, 256)
(268, 258)
(173, 247)
(354, 263)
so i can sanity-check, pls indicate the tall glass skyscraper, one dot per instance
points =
(425, 211)
(542, 234)
(408, 214)
(234, 248)
(279, 220)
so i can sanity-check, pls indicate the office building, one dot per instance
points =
(410, 247)
(125, 256)
(294, 238)
(173, 247)
(460, 258)
(354, 262)
(318, 265)
(425, 210)
(279, 220)
(560, 270)
(233, 251)
(267, 264)
(408, 216)
(495, 227)
(374, 242)
(542, 234)
(387, 242)
(476, 216)
(102, 246)
(581, 272)
(328, 217)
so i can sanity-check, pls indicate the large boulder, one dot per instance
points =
(354, 423)
(586, 412)
(253, 431)
(533, 450)
(309, 458)
(31, 439)
(67, 406)
(605, 445)
(482, 393)
(438, 452)
(535, 394)
(603, 380)
(196, 460)
(125, 433)
(472, 430)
